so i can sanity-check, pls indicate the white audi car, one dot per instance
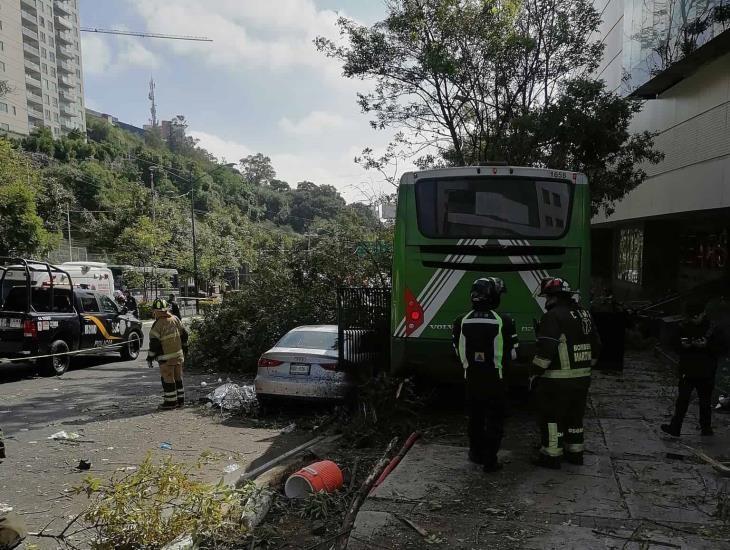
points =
(304, 364)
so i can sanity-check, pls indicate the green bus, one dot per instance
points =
(454, 225)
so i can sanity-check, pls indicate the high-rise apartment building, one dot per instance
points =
(40, 58)
(671, 233)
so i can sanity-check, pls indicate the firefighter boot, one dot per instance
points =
(670, 429)
(169, 393)
(180, 393)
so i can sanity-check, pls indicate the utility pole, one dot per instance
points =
(195, 247)
(68, 226)
(154, 224)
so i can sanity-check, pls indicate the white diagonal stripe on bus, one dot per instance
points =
(529, 278)
(432, 284)
(445, 290)
(455, 258)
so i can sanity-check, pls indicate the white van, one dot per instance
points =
(91, 275)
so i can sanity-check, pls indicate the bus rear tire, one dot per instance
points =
(56, 366)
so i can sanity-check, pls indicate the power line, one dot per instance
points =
(147, 34)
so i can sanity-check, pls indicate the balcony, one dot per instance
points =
(62, 7)
(66, 67)
(32, 81)
(34, 52)
(67, 96)
(33, 66)
(63, 23)
(65, 37)
(65, 51)
(68, 111)
(29, 18)
(37, 113)
(66, 82)
(34, 98)
(30, 33)
(30, 5)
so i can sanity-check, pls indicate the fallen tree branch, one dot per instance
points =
(349, 521)
(716, 465)
(420, 530)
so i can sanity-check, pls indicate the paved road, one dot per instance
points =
(112, 404)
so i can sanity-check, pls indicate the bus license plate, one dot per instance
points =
(299, 368)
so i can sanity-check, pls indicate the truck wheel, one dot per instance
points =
(56, 366)
(130, 351)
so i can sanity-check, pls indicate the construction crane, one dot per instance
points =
(147, 34)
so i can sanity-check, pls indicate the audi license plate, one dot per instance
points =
(299, 368)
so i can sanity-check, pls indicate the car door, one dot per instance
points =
(91, 335)
(110, 316)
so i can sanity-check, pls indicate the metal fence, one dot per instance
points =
(363, 320)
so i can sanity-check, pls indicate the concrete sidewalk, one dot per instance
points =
(637, 489)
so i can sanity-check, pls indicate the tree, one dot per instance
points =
(257, 169)
(467, 81)
(5, 88)
(22, 232)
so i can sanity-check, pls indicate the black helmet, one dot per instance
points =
(487, 290)
(552, 286)
(159, 305)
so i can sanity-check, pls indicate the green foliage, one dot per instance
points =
(293, 284)
(158, 503)
(22, 230)
(322, 506)
(481, 80)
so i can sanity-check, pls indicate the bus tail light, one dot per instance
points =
(30, 329)
(414, 312)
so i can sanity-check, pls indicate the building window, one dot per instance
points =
(44, 53)
(51, 41)
(45, 68)
(43, 21)
(549, 221)
(630, 255)
(2, 66)
(4, 126)
(3, 107)
(55, 102)
(48, 114)
(47, 99)
(54, 87)
(53, 72)
(53, 56)
(2, 46)
(15, 111)
(556, 199)
(43, 37)
(546, 196)
(1, 25)
(55, 117)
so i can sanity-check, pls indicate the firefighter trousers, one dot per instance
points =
(704, 387)
(561, 405)
(173, 391)
(486, 409)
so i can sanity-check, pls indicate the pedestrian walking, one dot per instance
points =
(567, 347)
(174, 307)
(131, 304)
(485, 341)
(700, 346)
(167, 338)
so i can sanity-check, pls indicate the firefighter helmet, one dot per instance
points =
(487, 290)
(159, 305)
(550, 286)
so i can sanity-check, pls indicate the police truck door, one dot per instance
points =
(90, 321)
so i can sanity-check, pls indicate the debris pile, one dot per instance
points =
(232, 397)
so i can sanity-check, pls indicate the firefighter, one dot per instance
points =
(167, 338)
(700, 345)
(485, 342)
(567, 347)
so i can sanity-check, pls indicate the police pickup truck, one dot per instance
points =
(40, 319)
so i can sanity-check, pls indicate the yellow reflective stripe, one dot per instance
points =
(178, 353)
(498, 345)
(540, 362)
(563, 353)
(462, 345)
(574, 447)
(168, 337)
(570, 373)
(552, 449)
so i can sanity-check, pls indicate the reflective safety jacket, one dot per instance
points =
(167, 337)
(567, 342)
(484, 341)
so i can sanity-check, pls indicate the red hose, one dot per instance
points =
(396, 459)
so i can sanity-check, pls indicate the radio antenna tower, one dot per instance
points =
(153, 107)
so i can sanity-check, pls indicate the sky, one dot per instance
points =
(260, 86)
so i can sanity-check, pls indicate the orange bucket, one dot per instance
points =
(317, 477)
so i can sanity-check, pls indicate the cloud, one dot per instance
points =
(101, 57)
(272, 34)
(224, 149)
(314, 123)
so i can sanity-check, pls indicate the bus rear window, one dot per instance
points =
(490, 207)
